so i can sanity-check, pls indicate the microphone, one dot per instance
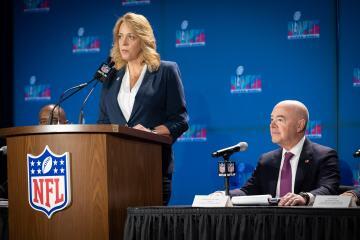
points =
(240, 147)
(3, 150)
(357, 153)
(105, 71)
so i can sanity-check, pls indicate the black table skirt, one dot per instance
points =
(291, 223)
(4, 228)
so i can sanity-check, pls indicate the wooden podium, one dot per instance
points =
(111, 168)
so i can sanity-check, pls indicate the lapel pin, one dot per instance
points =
(306, 161)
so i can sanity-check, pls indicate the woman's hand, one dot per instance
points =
(142, 128)
(161, 129)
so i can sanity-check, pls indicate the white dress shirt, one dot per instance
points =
(296, 150)
(126, 96)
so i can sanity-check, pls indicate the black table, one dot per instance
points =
(290, 223)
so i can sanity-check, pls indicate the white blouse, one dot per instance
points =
(126, 96)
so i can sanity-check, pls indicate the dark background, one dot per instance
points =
(6, 81)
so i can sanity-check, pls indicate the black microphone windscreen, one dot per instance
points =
(356, 153)
(105, 71)
(240, 147)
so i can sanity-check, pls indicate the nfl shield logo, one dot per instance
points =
(49, 181)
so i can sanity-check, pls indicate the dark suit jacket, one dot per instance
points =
(317, 172)
(160, 100)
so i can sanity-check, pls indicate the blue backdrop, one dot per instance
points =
(237, 60)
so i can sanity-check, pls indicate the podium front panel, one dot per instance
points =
(108, 173)
(86, 217)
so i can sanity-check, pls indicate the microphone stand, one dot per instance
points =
(229, 166)
(227, 179)
(104, 71)
(81, 114)
(62, 98)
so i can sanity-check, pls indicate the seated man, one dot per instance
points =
(300, 169)
(59, 116)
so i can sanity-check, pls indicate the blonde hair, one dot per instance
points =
(142, 28)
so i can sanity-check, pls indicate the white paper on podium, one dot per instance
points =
(211, 201)
(251, 200)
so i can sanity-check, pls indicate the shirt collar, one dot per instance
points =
(296, 150)
(138, 82)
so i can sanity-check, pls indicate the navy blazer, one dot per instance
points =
(317, 172)
(160, 100)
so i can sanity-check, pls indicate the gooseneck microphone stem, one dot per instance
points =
(227, 177)
(81, 114)
(63, 97)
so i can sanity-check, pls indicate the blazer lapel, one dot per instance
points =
(304, 164)
(139, 96)
(113, 93)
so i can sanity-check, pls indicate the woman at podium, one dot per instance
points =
(146, 93)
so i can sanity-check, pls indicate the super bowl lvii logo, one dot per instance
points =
(189, 37)
(85, 44)
(249, 83)
(36, 6)
(195, 133)
(49, 181)
(303, 29)
(314, 129)
(35, 92)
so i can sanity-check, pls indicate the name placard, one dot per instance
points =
(211, 201)
(323, 201)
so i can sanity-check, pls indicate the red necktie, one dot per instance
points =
(286, 176)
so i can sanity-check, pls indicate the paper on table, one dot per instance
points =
(251, 200)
